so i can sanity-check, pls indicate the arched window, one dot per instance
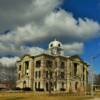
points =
(51, 45)
(47, 86)
(38, 85)
(76, 85)
(59, 45)
(24, 84)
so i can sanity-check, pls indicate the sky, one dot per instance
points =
(28, 26)
(91, 10)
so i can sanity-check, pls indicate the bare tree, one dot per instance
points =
(97, 79)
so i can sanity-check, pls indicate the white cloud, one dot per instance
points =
(8, 62)
(73, 49)
(63, 23)
(14, 50)
(35, 51)
(57, 24)
(11, 61)
(35, 21)
(69, 49)
(18, 13)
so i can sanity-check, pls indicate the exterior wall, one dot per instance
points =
(78, 78)
(41, 69)
(60, 65)
(26, 75)
(59, 70)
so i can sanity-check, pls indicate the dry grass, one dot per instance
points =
(97, 94)
(38, 96)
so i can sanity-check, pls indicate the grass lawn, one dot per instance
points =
(98, 94)
(38, 96)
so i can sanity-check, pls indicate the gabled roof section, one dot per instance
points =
(25, 56)
(75, 56)
(78, 57)
(44, 54)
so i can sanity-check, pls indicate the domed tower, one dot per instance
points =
(55, 48)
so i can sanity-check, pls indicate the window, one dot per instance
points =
(26, 65)
(51, 75)
(38, 63)
(27, 74)
(63, 85)
(83, 73)
(36, 74)
(56, 75)
(24, 84)
(62, 75)
(62, 65)
(46, 74)
(51, 84)
(19, 67)
(87, 76)
(59, 45)
(19, 76)
(75, 69)
(47, 86)
(38, 85)
(39, 72)
(76, 85)
(56, 64)
(51, 45)
(55, 84)
(49, 64)
(35, 85)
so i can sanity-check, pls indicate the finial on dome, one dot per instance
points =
(55, 39)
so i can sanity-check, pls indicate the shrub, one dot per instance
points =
(17, 88)
(26, 89)
(62, 89)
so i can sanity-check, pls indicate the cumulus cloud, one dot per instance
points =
(69, 49)
(13, 50)
(59, 24)
(8, 62)
(35, 51)
(18, 13)
(37, 21)
(73, 49)
(62, 23)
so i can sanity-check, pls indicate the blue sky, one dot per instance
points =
(89, 9)
(27, 26)
(83, 8)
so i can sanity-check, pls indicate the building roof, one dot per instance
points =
(81, 60)
(65, 57)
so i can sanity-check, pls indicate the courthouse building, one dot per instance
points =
(52, 71)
